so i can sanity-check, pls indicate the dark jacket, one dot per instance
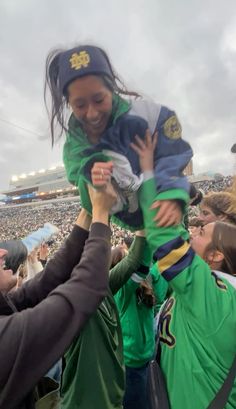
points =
(49, 314)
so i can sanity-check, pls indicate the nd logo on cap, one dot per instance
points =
(80, 60)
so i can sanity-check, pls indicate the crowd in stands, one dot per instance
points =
(215, 185)
(18, 222)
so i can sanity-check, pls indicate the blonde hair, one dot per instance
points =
(222, 204)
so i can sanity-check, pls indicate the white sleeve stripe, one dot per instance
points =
(148, 110)
(135, 277)
(148, 174)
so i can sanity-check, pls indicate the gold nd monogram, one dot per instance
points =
(80, 60)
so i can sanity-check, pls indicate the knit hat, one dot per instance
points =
(80, 61)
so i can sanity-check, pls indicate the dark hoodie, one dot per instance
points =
(52, 309)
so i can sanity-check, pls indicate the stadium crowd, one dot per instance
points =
(19, 221)
(215, 185)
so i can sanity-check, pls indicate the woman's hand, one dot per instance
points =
(43, 252)
(102, 200)
(169, 213)
(101, 173)
(145, 150)
(33, 256)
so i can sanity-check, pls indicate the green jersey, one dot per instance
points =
(198, 323)
(137, 319)
(94, 374)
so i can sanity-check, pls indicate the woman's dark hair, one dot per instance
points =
(17, 254)
(145, 294)
(195, 195)
(59, 102)
(224, 240)
(117, 254)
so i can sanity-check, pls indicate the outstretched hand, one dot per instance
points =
(169, 211)
(145, 150)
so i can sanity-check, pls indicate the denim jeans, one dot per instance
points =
(136, 388)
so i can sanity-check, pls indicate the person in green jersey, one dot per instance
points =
(197, 325)
(136, 302)
(104, 119)
(94, 373)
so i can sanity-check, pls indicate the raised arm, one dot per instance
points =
(187, 273)
(58, 269)
(138, 255)
(34, 339)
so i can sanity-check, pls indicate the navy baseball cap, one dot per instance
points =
(80, 61)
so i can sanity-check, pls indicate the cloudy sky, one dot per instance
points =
(181, 53)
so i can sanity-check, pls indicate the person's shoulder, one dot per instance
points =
(144, 105)
(146, 109)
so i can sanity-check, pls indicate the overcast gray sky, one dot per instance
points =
(182, 53)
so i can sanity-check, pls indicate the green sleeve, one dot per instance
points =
(148, 196)
(160, 286)
(71, 158)
(139, 254)
(125, 293)
(129, 288)
(124, 296)
(78, 165)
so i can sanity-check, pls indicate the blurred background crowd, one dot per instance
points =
(17, 222)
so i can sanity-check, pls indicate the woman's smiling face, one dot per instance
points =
(91, 103)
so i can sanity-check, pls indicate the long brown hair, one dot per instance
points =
(58, 102)
(145, 294)
(224, 240)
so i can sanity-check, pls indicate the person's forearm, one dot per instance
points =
(33, 269)
(84, 220)
(61, 316)
(156, 236)
(100, 216)
(57, 271)
(126, 267)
